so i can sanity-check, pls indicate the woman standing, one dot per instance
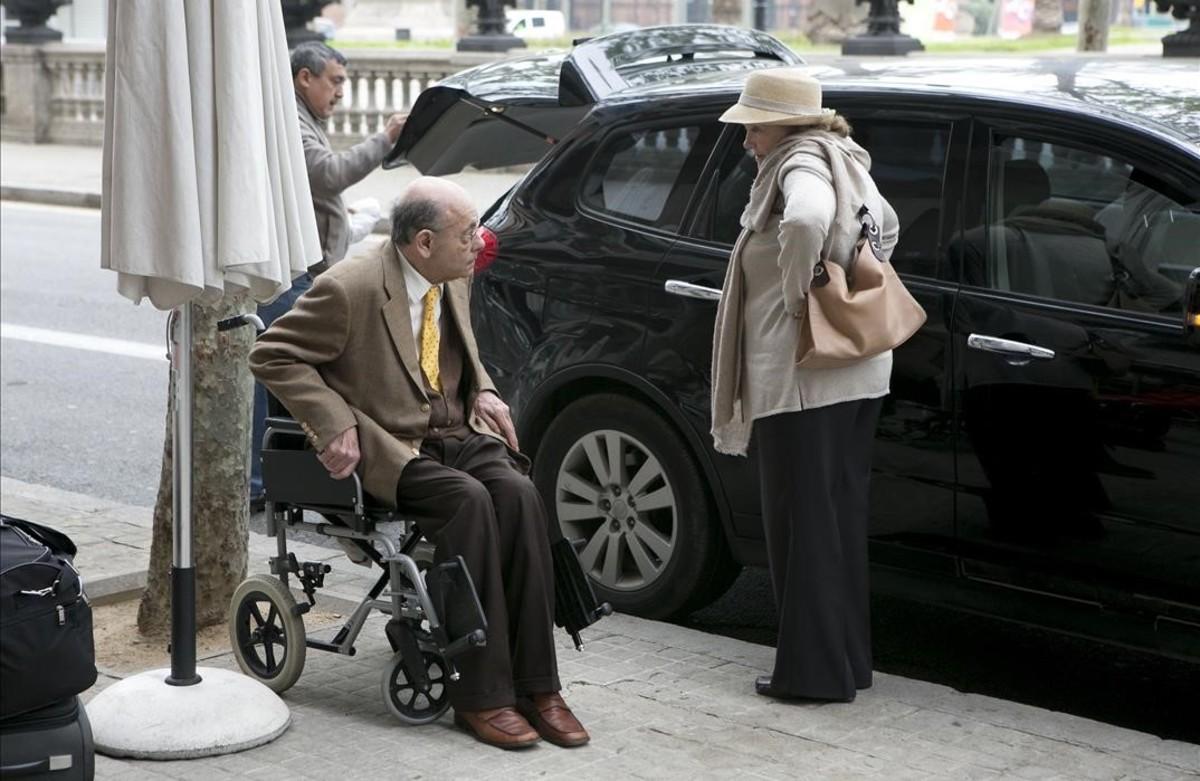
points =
(812, 429)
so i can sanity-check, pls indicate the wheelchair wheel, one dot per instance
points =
(266, 633)
(406, 700)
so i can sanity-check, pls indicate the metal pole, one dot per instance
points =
(183, 573)
(760, 15)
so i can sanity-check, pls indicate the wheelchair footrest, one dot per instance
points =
(460, 623)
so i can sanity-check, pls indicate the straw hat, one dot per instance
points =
(778, 96)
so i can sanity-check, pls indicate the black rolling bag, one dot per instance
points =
(46, 647)
(53, 743)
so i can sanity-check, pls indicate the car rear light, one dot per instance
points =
(491, 247)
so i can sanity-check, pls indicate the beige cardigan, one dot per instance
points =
(803, 207)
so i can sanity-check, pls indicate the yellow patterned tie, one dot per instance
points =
(430, 339)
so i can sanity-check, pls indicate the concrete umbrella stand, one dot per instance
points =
(183, 712)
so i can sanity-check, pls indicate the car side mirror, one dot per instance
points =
(1191, 303)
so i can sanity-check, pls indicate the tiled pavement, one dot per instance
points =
(661, 702)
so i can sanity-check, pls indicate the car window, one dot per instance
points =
(1070, 224)
(907, 163)
(647, 174)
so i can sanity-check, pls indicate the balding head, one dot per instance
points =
(435, 225)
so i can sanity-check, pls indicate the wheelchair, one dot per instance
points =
(266, 624)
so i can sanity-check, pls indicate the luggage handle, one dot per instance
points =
(41, 592)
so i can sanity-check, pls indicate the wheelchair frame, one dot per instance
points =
(295, 481)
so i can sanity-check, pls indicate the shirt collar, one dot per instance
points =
(416, 284)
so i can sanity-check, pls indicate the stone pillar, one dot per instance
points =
(26, 94)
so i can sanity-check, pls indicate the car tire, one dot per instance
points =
(658, 554)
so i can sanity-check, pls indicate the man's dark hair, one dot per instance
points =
(413, 215)
(312, 57)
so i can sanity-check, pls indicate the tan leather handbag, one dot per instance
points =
(857, 314)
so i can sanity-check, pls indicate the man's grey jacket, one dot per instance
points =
(329, 173)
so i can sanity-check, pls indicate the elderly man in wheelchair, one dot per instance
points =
(397, 423)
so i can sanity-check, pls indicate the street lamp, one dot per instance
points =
(33, 15)
(492, 36)
(296, 16)
(883, 36)
(1185, 43)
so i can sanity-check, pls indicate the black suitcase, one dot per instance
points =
(54, 742)
(46, 648)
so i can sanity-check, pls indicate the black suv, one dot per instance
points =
(1038, 458)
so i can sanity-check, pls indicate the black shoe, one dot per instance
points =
(258, 504)
(762, 685)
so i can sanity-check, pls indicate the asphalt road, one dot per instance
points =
(76, 417)
(90, 418)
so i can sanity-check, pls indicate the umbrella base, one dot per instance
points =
(143, 717)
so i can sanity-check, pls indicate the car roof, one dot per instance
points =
(1141, 91)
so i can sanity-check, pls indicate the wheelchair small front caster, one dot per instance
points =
(267, 632)
(410, 700)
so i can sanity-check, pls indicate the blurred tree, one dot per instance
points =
(1047, 16)
(832, 21)
(1093, 25)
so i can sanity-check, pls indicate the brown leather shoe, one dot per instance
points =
(553, 720)
(499, 727)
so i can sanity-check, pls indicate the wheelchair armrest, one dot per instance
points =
(284, 425)
(284, 434)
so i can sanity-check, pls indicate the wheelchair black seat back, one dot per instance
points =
(266, 623)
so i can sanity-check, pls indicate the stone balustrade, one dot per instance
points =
(54, 93)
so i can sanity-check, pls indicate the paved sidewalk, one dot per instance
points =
(71, 176)
(660, 701)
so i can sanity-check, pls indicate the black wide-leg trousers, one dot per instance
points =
(472, 501)
(815, 469)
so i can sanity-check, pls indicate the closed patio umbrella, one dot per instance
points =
(205, 194)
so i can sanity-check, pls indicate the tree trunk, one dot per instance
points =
(1047, 16)
(222, 399)
(833, 21)
(1093, 25)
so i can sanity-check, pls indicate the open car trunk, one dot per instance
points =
(511, 112)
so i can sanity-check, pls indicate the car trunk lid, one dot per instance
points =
(511, 112)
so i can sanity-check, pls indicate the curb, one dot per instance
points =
(115, 588)
(51, 197)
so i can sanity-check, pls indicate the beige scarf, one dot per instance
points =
(828, 155)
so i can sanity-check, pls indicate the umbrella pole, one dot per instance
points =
(183, 571)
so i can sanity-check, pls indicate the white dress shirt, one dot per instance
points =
(418, 286)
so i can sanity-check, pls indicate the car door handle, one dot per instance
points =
(994, 344)
(679, 288)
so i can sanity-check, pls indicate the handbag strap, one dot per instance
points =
(870, 233)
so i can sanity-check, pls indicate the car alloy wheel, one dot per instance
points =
(613, 493)
(625, 489)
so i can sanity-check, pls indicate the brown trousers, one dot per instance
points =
(472, 501)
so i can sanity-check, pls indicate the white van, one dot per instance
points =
(534, 24)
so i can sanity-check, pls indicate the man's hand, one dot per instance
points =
(395, 124)
(341, 455)
(495, 413)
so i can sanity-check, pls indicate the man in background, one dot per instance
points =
(319, 75)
